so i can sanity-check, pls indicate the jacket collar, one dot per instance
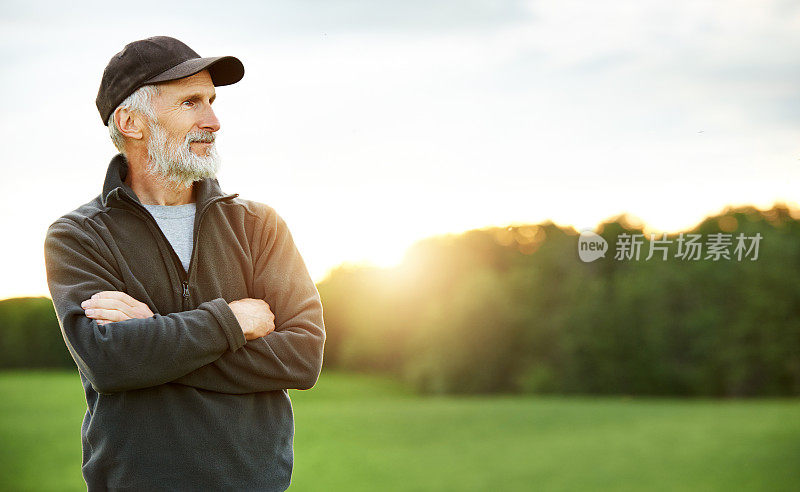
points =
(114, 185)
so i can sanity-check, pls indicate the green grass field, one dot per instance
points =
(357, 432)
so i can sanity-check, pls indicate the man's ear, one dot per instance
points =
(129, 123)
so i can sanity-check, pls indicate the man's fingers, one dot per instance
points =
(107, 303)
(119, 302)
(107, 314)
(114, 294)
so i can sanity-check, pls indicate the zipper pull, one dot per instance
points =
(186, 291)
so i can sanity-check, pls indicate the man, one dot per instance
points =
(189, 312)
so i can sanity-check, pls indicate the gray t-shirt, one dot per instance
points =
(177, 223)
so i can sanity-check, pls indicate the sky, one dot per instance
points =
(371, 125)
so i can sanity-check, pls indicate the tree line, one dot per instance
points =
(515, 310)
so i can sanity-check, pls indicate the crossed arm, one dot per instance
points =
(254, 315)
(238, 347)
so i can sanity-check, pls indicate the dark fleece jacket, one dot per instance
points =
(180, 400)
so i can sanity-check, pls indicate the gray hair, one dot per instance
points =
(142, 101)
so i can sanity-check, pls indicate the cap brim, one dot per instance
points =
(224, 70)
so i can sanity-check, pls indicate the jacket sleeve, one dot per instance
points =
(131, 354)
(291, 356)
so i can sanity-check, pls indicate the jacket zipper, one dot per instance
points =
(184, 274)
(185, 292)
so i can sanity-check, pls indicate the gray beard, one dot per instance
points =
(174, 163)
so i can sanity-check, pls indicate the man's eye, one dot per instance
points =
(188, 104)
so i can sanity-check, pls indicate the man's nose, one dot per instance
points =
(209, 121)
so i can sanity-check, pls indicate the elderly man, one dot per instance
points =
(189, 312)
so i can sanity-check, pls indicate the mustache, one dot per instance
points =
(200, 136)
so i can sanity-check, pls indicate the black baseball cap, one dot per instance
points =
(158, 59)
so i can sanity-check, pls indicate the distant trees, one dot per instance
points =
(515, 310)
(30, 336)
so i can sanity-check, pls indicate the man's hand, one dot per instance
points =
(110, 306)
(254, 316)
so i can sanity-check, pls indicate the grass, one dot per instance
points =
(356, 432)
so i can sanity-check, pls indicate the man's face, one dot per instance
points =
(180, 142)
